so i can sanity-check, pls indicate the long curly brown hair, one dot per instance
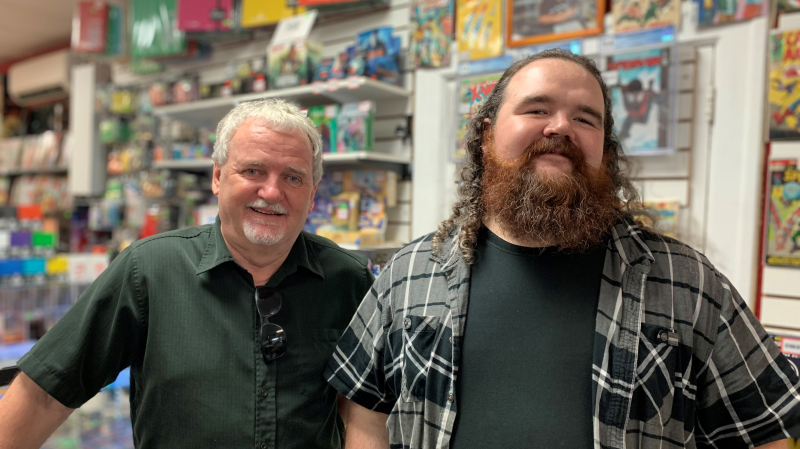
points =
(468, 213)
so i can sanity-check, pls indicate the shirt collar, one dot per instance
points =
(217, 253)
(627, 239)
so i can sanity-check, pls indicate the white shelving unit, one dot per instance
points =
(207, 113)
(35, 171)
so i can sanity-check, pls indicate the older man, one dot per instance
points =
(541, 316)
(226, 327)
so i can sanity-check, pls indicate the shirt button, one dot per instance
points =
(664, 336)
(264, 393)
(450, 397)
(263, 445)
(407, 323)
(451, 340)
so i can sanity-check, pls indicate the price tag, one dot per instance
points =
(353, 82)
(332, 85)
(316, 87)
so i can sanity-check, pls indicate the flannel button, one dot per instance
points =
(263, 445)
(664, 336)
(450, 397)
(407, 323)
(451, 340)
(264, 393)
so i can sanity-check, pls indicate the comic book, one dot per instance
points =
(783, 214)
(714, 12)
(471, 93)
(666, 215)
(479, 28)
(431, 32)
(634, 15)
(784, 80)
(640, 100)
(790, 348)
(550, 18)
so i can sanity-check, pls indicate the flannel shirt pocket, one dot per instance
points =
(419, 340)
(657, 363)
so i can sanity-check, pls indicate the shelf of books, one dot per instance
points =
(207, 113)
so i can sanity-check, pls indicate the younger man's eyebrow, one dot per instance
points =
(586, 109)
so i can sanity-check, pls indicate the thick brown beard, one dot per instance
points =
(572, 212)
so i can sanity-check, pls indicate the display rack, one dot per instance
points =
(207, 113)
(35, 171)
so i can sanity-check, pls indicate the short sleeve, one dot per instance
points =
(356, 367)
(749, 395)
(95, 340)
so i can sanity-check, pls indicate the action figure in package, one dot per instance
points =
(354, 127)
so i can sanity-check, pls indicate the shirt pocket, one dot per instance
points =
(419, 340)
(306, 362)
(654, 381)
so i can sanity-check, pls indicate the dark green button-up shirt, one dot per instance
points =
(181, 313)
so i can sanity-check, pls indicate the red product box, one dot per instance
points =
(90, 27)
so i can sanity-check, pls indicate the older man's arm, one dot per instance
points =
(28, 415)
(364, 428)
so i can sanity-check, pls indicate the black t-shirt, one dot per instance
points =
(525, 379)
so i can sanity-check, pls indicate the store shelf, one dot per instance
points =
(382, 247)
(198, 165)
(363, 156)
(207, 113)
(34, 171)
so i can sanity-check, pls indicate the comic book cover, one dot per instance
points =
(783, 214)
(665, 214)
(784, 80)
(431, 32)
(640, 101)
(548, 20)
(381, 53)
(634, 15)
(790, 348)
(715, 12)
(479, 28)
(471, 93)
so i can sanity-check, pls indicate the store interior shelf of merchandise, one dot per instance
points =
(202, 165)
(207, 113)
(35, 171)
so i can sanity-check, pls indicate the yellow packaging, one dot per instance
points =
(345, 211)
(257, 13)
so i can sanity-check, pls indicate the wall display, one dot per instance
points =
(534, 21)
(783, 214)
(641, 99)
(431, 32)
(479, 28)
(635, 15)
(784, 96)
(714, 12)
(472, 91)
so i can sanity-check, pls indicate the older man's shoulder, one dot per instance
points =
(166, 242)
(327, 251)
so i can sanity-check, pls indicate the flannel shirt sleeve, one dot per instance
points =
(356, 368)
(749, 395)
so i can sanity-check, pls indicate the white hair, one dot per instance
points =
(280, 116)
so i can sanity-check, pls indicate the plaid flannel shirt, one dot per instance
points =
(679, 360)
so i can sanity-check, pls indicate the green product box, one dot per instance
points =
(354, 127)
(324, 118)
(154, 30)
(293, 63)
(41, 239)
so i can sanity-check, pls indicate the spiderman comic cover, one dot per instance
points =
(640, 101)
(784, 86)
(783, 214)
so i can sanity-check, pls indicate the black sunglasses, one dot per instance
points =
(273, 339)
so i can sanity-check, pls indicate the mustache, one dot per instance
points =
(262, 204)
(554, 145)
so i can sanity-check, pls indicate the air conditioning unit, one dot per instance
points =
(40, 79)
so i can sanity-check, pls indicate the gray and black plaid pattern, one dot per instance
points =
(679, 360)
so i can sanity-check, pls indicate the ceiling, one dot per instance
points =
(29, 27)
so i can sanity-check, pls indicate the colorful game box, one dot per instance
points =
(293, 64)
(354, 127)
(324, 118)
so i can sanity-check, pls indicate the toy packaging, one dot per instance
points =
(91, 24)
(205, 15)
(324, 118)
(257, 13)
(293, 64)
(354, 127)
(377, 190)
(327, 69)
(381, 53)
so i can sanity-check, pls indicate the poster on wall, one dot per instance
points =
(784, 78)
(640, 100)
(715, 12)
(479, 28)
(635, 15)
(472, 91)
(534, 21)
(431, 32)
(783, 214)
